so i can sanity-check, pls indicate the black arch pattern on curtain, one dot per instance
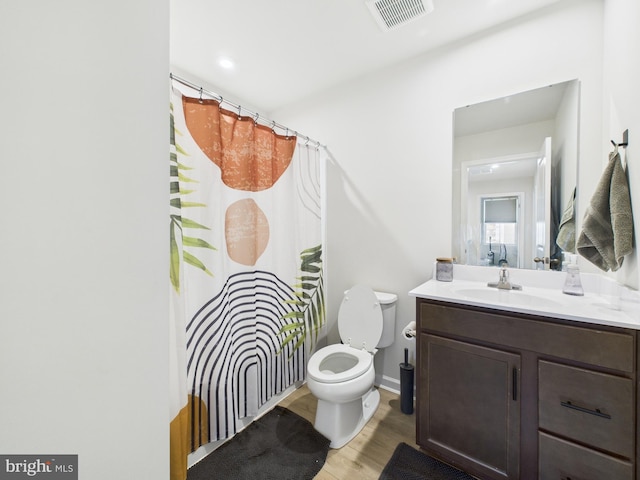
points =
(233, 337)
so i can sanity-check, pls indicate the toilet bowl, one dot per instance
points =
(341, 376)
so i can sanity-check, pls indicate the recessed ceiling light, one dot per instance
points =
(226, 63)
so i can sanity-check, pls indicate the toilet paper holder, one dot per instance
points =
(409, 331)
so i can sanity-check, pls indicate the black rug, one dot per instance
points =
(407, 463)
(280, 445)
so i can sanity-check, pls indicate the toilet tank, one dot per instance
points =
(388, 306)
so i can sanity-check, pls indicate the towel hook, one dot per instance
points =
(625, 140)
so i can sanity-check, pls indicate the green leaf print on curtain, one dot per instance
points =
(309, 319)
(178, 223)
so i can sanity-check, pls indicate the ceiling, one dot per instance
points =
(523, 168)
(519, 109)
(285, 50)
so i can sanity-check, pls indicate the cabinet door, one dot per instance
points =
(469, 410)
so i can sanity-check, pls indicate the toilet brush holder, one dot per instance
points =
(406, 385)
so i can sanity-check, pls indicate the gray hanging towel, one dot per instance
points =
(607, 230)
(566, 238)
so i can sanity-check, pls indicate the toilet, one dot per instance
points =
(341, 376)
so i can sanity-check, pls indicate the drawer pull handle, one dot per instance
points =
(595, 412)
(514, 384)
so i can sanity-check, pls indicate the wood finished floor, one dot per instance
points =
(367, 454)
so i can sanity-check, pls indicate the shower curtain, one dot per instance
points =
(246, 270)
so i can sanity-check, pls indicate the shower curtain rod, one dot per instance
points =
(256, 116)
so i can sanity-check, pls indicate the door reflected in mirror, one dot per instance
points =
(515, 163)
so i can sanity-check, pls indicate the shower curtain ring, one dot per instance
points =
(239, 111)
(256, 118)
(200, 99)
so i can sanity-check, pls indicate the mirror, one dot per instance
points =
(515, 163)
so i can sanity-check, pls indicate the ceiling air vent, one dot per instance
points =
(390, 14)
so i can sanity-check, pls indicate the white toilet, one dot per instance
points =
(341, 376)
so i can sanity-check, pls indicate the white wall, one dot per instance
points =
(389, 194)
(83, 248)
(621, 103)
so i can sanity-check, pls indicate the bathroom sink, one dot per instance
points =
(509, 297)
(604, 302)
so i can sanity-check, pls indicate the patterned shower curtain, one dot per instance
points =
(246, 268)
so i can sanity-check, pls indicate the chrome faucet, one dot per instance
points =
(503, 282)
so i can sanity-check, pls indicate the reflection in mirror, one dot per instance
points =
(515, 162)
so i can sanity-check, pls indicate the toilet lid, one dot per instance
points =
(360, 318)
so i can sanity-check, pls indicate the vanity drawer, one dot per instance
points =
(601, 346)
(590, 407)
(560, 460)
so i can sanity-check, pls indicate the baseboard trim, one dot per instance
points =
(388, 383)
(391, 384)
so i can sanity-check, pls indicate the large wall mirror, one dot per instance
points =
(515, 163)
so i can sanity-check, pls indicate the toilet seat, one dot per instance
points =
(360, 318)
(326, 365)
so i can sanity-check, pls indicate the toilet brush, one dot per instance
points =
(406, 385)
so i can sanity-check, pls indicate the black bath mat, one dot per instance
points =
(407, 463)
(280, 445)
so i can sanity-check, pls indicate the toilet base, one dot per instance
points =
(340, 422)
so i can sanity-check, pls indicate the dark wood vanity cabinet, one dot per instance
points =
(472, 409)
(510, 396)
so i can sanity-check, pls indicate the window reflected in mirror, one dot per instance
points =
(499, 224)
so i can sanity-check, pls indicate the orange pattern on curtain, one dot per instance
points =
(251, 157)
(183, 438)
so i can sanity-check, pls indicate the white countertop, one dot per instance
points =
(602, 303)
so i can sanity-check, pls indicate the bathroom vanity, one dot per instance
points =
(510, 390)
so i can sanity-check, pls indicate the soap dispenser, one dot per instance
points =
(573, 284)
